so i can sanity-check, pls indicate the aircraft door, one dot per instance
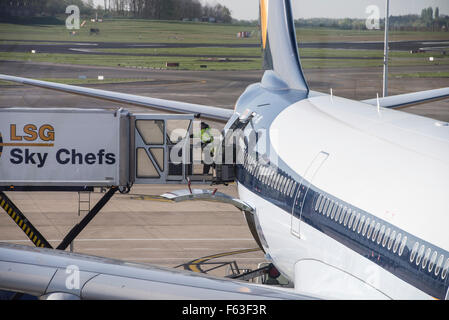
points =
(301, 194)
(162, 148)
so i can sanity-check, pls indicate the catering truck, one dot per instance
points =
(72, 149)
(64, 147)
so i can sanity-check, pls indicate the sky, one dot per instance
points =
(249, 9)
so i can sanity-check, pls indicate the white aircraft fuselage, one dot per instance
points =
(350, 199)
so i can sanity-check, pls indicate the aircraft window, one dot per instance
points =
(426, 258)
(317, 204)
(289, 190)
(275, 180)
(444, 272)
(391, 240)
(402, 247)
(344, 215)
(263, 174)
(336, 211)
(287, 183)
(354, 227)
(287, 186)
(381, 234)
(293, 189)
(272, 177)
(251, 167)
(326, 205)
(268, 178)
(256, 169)
(414, 251)
(371, 228)
(361, 224)
(439, 264)
(376, 231)
(326, 210)
(331, 210)
(284, 184)
(365, 227)
(322, 205)
(420, 254)
(352, 216)
(387, 235)
(279, 182)
(432, 261)
(259, 172)
(281, 185)
(349, 217)
(396, 243)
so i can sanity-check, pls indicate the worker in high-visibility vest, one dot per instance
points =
(206, 138)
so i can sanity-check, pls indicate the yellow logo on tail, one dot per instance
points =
(264, 21)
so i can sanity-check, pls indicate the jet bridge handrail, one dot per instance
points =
(207, 195)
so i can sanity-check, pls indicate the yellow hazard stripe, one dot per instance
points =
(20, 221)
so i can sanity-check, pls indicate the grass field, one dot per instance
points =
(135, 30)
(198, 63)
(144, 31)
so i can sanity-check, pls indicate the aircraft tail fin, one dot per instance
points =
(279, 45)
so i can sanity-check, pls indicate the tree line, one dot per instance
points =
(167, 9)
(149, 9)
(429, 20)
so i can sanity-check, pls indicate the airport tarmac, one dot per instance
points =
(162, 233)
(143, 231)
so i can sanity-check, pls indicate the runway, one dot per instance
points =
(71, 47)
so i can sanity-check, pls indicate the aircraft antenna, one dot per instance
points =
(387, 9)
(378, 103)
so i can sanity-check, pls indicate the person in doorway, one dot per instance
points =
(206, 139)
